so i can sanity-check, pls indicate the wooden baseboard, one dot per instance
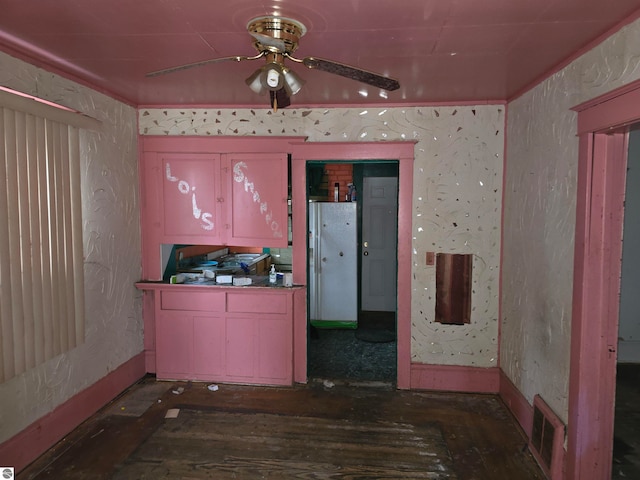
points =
(150, 361)
(23, 448)
(453, 378)
(516, 403)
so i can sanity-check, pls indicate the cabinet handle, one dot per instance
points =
(220, 199)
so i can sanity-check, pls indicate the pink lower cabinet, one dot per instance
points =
(260, 336)
(209, 342)
(174, 345)
(225, 335)
(259, 348)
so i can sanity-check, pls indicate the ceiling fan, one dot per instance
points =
(275, 39)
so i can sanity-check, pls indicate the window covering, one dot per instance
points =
(41, 253)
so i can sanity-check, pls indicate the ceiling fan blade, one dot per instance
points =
(201, 63)
(268, 41)
(354, 73)
(279, 99)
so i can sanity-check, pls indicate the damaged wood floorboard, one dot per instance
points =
(300, 432)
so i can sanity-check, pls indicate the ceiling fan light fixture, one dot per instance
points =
(254, 82)
(292, 82)
(268, 77)
(272, 76)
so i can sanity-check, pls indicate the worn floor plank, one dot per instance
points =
(258, 445)
(306, 432)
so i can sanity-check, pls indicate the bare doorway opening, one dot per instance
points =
(364, 349)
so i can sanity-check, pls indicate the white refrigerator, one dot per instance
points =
(333, 265)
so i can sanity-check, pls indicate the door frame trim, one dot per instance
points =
(596, 285)
(403, 152)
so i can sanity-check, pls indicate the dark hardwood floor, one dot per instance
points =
(309, 431)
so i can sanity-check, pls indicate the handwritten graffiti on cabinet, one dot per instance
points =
(189, 196)
(206, 218)
(241, 175)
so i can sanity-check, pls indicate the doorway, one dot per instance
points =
(626, 448)
(603, 125)
(364, 350)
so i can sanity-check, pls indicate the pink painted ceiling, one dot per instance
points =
(439, 50)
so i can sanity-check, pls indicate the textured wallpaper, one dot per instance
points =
(539, 223)
(113, 323)
(456, 204)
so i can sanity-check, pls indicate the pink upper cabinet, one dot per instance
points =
(191, 197)
(212, 191)
(257, 199)
(196, 192)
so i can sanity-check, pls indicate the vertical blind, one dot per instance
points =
(41, 257)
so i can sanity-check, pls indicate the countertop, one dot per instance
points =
(257, 281)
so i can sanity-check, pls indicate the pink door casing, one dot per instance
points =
(597, 267)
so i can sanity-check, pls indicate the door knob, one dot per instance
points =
(366, 254)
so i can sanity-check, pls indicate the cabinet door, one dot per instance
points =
(209, 347)
(174, 345)
(275, 350)
(259, 349)
(240, 348)
(257, 199)
(191, 198)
